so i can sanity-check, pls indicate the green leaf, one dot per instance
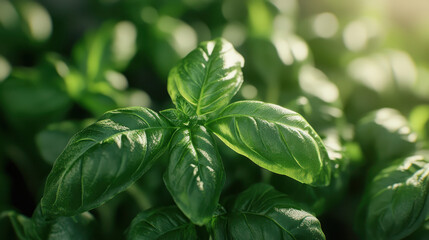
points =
(179, 118)
(261, 212)
(385, 135)
(320, 199)
(161, 223)
(419, 120)
(421, 234)
(175, 117)
(110, 47)
(275, 138)
(63, 228)
(35, 96)
(97, 102)
(208, 77)
(104, 159)
(21, 224)
(396, 202)
(320, 114)
(195, 174)
(54, 138)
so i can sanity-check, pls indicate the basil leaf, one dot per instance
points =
(161, 223)
(104, 159)
(178, 118)
(104, 49)
(52, 140)
(261, 212)
(195, 174)
(274, 138)
(320, 199)
(421, 234)
(21, 224)
(62, 228)
(385, 135)
(396, 202)
(208, 77)
(35, 96)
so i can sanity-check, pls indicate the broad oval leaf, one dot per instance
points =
(104, 159)
(385, 135)
(195, 174)
(161, 223)
(396, 202)
(261, 212)
(275, 138)
(208, 77)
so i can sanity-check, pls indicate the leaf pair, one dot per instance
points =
(260, 212)
(108, 156)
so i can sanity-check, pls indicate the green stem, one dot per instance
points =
(140, 197)
(273, 91)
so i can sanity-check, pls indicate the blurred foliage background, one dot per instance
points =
(358, 71)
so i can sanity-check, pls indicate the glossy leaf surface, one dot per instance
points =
(261, 212)
(162, 223)
(195, 174)
(275, 138)
(208, 77)
(396, 202)
(52, 140)
(104, 159)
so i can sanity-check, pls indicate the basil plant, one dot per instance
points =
(108, 156)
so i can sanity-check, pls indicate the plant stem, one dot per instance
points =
(140, 197)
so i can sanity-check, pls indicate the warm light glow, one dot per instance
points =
(235, 33)
(139, 98)
(325, 25)
(403, 68)
(5, 68)
(355, 36)
(283, 25)
(299, 49)
(124, 41)
(116, 79)
(184, 37)
(249, 91)
(283, 50)
(372, 72)
(62, 68)
(315, 82)
(285, 6)
(392, 120)
(38, 20)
